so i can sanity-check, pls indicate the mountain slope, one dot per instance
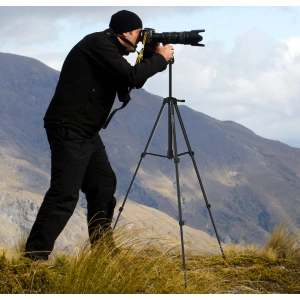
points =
(26, 86)
(252, 183)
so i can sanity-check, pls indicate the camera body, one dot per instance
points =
(184, 37)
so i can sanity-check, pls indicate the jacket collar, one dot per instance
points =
(122, 49)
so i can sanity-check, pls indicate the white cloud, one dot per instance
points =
(256, 84)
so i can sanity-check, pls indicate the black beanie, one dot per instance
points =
(125, 21)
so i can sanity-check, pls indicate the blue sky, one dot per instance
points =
(248, 71)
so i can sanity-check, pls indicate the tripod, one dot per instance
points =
(172, 154)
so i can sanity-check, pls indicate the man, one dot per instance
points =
(93, 73)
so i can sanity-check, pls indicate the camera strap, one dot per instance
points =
(138, 60)
(127, 42)
(141, 53)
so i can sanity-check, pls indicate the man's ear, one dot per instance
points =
(125, 34)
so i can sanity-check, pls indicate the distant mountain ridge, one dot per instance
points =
(252, 183)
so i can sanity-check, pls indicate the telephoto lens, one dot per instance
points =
(184, 37)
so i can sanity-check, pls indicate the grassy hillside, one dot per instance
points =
(142, 267)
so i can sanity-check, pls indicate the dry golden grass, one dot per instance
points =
(284, 243)
(144, 266)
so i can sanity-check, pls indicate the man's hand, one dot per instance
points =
(167, 51)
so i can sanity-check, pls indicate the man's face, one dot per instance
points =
(133, 37)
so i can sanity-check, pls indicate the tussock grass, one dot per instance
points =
(139, 267)
(284, 243)
(153, 265)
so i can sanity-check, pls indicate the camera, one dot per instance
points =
(184, 37)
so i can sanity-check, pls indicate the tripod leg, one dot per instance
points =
(170, 153)
(176, 161)
(140, 161)
(198, 175)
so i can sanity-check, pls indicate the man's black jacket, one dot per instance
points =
(92, 73)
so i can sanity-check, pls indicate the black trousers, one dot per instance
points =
(77, 162)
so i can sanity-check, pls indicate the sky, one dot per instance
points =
(247, 72)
